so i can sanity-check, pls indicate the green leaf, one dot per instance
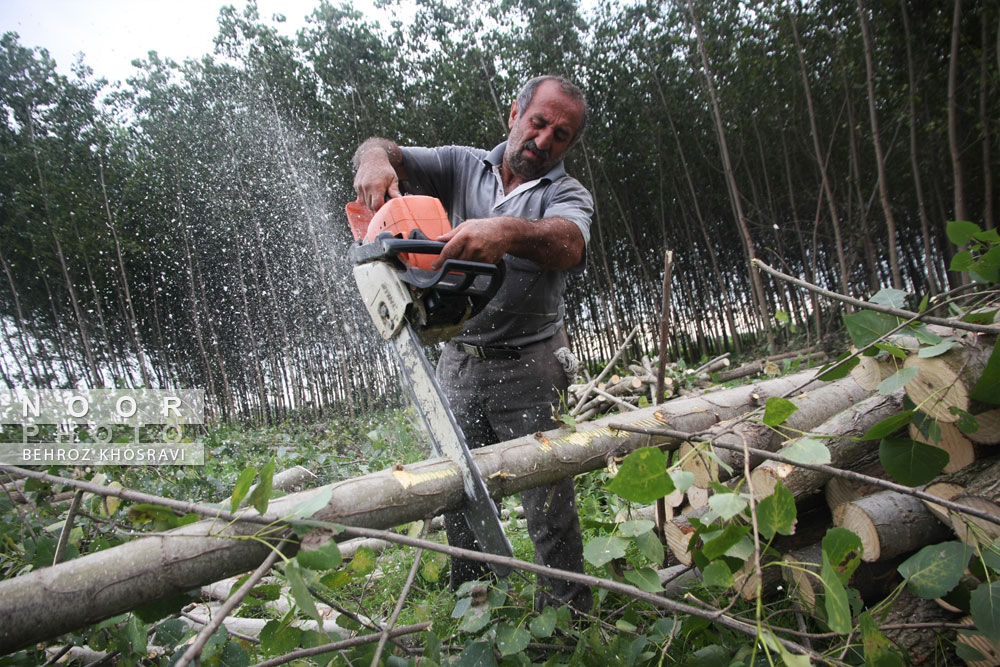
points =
(781, 316)
(475, 619)
(806, 450)
(171, 632)
(936, 350)
(682, 479)
(987, 389)
(924, 336)
(985, 607)
(910, 462)
(727, 505)
(327, 557)
(720, 544)
(544, 624)
(650, 547)
(635, 527)
(278, 639)
(889, 425)
(991, 236)
(645, 579)
(363, 562)
(894, 350)
(512, 640)
(261, 494)
(135, 632)
(844, 550)
(988, 266)
(642, 477)
(300, 592)
(243, 483)
(961, 232)
(966, 423)
(314, 503)
(777, 513)
(893, 298)
(866, 326)
(878, 650)
(897, 380)
(838, 610)
(476, 654)
(839, 370)
(710, 656)
(985, 317)
(777, 410)
(935, 569)
(233, 655)
(717, 574)
(962, 262)
(602, 550)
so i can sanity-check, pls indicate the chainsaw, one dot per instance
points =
(413, 305)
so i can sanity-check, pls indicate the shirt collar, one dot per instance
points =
(495, 159)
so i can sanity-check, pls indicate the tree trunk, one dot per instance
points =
(953, 143)
(883, 185)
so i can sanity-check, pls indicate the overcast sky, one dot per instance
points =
(112, 33)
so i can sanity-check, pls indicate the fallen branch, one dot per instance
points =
(898, 312)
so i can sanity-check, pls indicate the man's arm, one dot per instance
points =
(378, 165)
(552, 243)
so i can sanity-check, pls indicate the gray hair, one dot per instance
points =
(566, 87)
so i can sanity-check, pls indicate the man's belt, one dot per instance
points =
(484, 352)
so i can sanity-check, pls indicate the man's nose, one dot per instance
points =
(544, 139)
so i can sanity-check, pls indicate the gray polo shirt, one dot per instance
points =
(529, 306)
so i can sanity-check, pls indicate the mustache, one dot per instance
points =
(530, 144)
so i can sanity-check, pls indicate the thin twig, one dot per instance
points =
(888, 310)
(194, 651)
(402, 598)
(829, 470)
(341, 645)
(74, 507)
(611, 364)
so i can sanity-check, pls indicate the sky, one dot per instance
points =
(112, 33)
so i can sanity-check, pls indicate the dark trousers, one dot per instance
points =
(500, 399)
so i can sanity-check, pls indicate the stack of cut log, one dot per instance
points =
(890, 524)
(624, 391)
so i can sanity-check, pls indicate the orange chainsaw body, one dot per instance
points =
(412, 216)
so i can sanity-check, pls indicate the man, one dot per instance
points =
(502, 374)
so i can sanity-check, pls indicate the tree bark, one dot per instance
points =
(890, 524)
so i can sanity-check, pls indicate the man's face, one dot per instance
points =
(542, 134)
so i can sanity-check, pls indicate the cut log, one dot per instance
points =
(840, 490)
(870, 372)
(989, 650)
(804, 352)
(977, 485)
(890, 524)
(45, 603)
(960, 450)
(988, 432)
(944, 382)
(874, 581)
(814, 408)
(845, 447)
(746, 370)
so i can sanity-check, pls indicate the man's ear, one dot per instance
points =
(513, 115)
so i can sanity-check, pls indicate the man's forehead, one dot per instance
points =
(550, 96)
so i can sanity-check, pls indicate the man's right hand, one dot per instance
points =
(379, 164)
